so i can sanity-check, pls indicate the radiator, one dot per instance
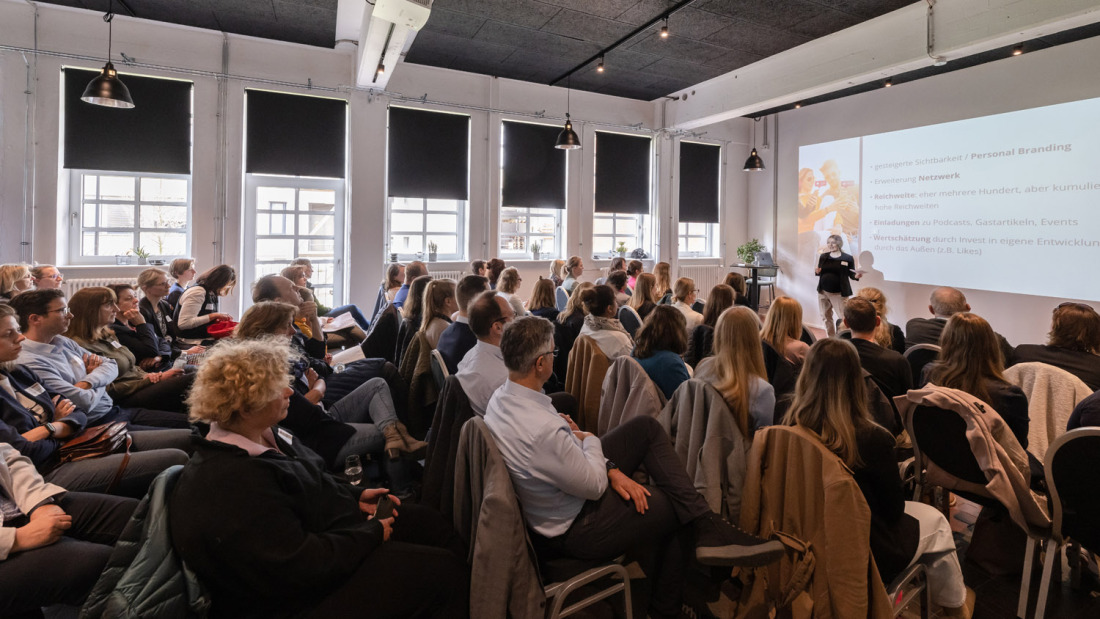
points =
(706, 277)
(72, 285)
(455, 275)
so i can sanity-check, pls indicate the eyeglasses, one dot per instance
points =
(550, 352)
(63, 310)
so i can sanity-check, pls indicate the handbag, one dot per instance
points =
(97, 442)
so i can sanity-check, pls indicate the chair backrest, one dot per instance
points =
(767, 272)
(1071, 461)
(451, 411)
(439, 369)
(382, 337)
(807, 336)
(627, 392)
(561, 298)
(941, 436)
(630, 319)
(584, 380)
(698, 306)
(379, 302)
(1052, 394)
(920, 355)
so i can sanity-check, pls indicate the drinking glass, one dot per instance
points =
(353, 470)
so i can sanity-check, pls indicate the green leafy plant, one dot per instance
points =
(535, 247)
(621, 248)
(140, 252)
(748, 250)
(432, 247)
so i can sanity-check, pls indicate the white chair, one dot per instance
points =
(561, 298)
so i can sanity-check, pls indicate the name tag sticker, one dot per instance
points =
(843, 263)
(36, 389)
(210, 306)
(287, 437)
(116, 344)
(167, 319)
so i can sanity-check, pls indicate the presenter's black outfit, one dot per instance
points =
(833, 287)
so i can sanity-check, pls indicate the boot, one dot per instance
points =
(400, 444)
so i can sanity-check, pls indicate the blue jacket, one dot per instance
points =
(15, 419)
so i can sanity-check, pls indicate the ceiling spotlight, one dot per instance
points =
(889, 83)
(664, 29)
(599, 67)
(938, 61)
(1016, 51)
(381, 70)
(797, 106)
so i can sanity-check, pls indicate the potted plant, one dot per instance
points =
(142, 255)
(535, 249)
(432, 250)
(621, 249)
(747, 251)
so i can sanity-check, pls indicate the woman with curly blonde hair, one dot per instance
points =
(887, 335)
(14, 278)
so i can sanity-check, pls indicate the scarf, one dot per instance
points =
(599, 323)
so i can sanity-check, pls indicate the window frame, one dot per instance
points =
(522, 211)
(76, 214)
(643, 228)
(460, 233)
(710, 234)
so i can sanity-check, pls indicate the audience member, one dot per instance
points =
(634, 268)
(889, 368)
(157, 312)
(600, 322)
(740, 288)
(556, 267)
(395, 278)
(783, 328)
(617, 281)
(618, 263)
(94, 310)
(944, 303)
(683, 298)
(834, 269)
(47, 276)
(495, 266)
(183, 271)
(14, 279)
(414, 270)
(311, 345)
(542, 302)
(575, 490)
(574, 268)
(67, 370)
(661, 271)
(1086, 413)
(737, 370)
(320, 551)
(886, 335)
(477, 267)
(1073, 343)
(702, 337)
(830, 402)
(508, 286)
(645, 297)
(135, 333)
(660, 343)
(457, 339)
(482, 370)
(351, 308)
(54, 544)
(197, 308)
(412, 313)
(439, 304)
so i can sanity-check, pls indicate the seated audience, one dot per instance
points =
(970, 360)
(14, 279)
(69, 371)
(683, 298)
(783, 328)
(457, 339)
(157, 312)
(395, 278)
(889, 368)
(414, 270)
(307, 266)
(495, 267)
(508, 286)
(737, 370)
(182, 271)
(568, 326)
(830, 402)
(153, 353)
(702, 337)
(54, 544)
(661, 271)
(94, 310)
(575, 490)
(740, 288)
(944, 303)
(439, 304)
(308, 339)
(574, 268)
(601, 324)
(886, 335)
(660, 343)
(556, 267)
(1073, 343)
(618, 263)
(197, 308)
(645, 297)
(482, 370)
(477, 267)
(617, 281)
(542, 302)
(37, 423)
(319, 551)
(47, 276)
(1086, 413)
(412, 313)
(634, 268)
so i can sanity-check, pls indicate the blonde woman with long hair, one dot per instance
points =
(737, 370)
(783, 328)
(887, 335)
(830, 402)
(439, 304)
(662, 271)
(645, 296)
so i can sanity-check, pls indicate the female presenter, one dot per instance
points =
(834, 269)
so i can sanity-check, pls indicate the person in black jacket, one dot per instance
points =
(271, 534)
(888, 367)
(944, 303)
(153, 354)
(156, 311)
(834, 269)
(830, 401)
(1073, 344)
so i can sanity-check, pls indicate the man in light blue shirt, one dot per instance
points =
(562, 476)
(481, 372)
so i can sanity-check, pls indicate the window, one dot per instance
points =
(697, 240)
(610, 229)
(119, 213)
(294, 217)
(520, 227)
(416, 222)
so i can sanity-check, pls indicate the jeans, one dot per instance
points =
(370, 402)
(356, 315)
(152, 452)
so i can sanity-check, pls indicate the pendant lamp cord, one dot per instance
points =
(109, 17)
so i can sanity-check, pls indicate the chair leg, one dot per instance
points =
(926, 599)
(1025, 585)
(1053, 552)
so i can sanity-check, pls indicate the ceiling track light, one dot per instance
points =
(797, 106)
(754, 163)
(664, 29)
(106, 89)
(381, 70)
(1016, 51)
(889, 82)
(599, 66)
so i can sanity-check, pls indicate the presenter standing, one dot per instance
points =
(834, 269)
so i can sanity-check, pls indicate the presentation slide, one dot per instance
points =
(1008, 203)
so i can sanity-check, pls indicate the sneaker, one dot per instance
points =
(718, 542)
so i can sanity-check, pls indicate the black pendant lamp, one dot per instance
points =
(567, 139)
(106, 89)
(754, 163)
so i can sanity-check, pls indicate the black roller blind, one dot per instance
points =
(295, 135)
(699, 169)
(534, 171)
(153, 136)
(429, 154)
(622, 173)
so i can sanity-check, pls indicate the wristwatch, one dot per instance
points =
(611, 465)
(51, 429)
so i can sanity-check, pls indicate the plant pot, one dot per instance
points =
(534, 255)
(143, 260)
(622, 254)
(431, 256)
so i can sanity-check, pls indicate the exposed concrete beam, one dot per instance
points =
(888, 45)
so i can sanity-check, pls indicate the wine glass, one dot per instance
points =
(353, 470)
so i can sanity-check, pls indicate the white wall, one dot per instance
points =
(72, 32)
(1056, 75)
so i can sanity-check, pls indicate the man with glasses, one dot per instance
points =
(944, 303)
(576, 490)
(481, 372)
